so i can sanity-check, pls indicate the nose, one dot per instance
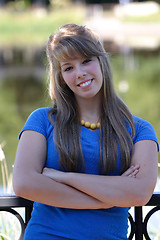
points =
(80, 73)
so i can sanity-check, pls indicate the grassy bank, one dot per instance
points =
(153, 18)
(34, 26)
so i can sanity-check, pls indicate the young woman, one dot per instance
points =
(87, 159)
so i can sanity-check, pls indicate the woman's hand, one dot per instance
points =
(54, 174)
(132, 171)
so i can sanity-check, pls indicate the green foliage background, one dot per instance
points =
(19, 97)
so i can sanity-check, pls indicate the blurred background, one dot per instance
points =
(130, 31)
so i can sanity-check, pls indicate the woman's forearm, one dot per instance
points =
(92, 185)
(111, 190)
(117, 190)
(30, 183)
(120, 191)
(39, 188)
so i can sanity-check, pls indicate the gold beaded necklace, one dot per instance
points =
(92, 126)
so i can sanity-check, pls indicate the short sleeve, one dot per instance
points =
(37, 121)
(144, 131)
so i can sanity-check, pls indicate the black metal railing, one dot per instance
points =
(10, 202)
(140, 223)
(137, 223)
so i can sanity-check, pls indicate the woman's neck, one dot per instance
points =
(90, 110)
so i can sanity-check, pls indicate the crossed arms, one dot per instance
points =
(82, 191)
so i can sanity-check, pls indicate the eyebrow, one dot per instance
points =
(65, 64)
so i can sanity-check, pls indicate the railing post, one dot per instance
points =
(28, 211)
(139, 223)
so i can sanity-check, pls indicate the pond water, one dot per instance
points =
(24, 83)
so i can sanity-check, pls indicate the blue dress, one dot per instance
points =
(54, 223)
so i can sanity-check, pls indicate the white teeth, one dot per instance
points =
(85, 84)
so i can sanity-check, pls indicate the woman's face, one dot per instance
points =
(83, 76)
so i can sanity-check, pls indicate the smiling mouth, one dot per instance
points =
(84, 84)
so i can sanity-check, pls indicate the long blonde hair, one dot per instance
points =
(70, 41)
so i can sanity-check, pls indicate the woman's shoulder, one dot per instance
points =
(41, 114)
(144, 130)
(41, 111)
(140, 122)
(38, 121)
(138, 119)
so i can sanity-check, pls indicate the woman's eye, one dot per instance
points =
(86, 61)
(67, 69)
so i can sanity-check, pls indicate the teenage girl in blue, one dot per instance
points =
(87, 159)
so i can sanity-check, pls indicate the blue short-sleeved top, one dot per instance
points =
(55, 223)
